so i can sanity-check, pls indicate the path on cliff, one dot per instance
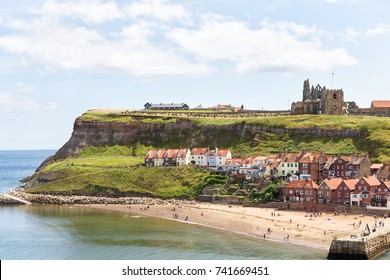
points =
(16, 198)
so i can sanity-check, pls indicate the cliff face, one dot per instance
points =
(182, 132)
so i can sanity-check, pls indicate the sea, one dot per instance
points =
(81, 233)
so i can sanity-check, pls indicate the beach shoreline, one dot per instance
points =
(315, 230)
(309, 229)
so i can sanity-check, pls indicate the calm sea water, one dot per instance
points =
(64, 232)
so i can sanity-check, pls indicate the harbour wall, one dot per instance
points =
(363, 249)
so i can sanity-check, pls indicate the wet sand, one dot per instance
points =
(265, 223)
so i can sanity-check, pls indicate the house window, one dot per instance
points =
(347, 195)
(335, 96)
(328, 194)
(320, 194)
(340, 188)
(339, 195)
(345, 188)
(282, 164)
(365, 188)
(385, 190)
(360, 188)
(290, 192)
(379, 190)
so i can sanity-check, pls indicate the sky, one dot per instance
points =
(59, 59)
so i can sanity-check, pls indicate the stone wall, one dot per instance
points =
(362, 249)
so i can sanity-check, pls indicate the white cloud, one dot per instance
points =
(23, 87)
(147, 45)
(55, 45)
(9, 103)
(160, 9)
(89, 11)
(272, 46)
(379, 29)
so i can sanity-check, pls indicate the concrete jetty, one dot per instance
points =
(359, 248)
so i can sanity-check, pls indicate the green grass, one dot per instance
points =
(178, 182)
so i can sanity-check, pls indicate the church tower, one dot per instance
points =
(306, 90)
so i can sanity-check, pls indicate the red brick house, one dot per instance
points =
(359, 166)
(309, 166)
(326, 191)
(302, 191)
(382, 194)
(344, 190)
(367, 187)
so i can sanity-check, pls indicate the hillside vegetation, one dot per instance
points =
(116, 169)
(108, 171)
(377, 144)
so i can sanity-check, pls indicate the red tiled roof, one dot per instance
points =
(171, 153)
(351, 183)
(222, 153)
(260, 158)
(248, 160)
(381, 103)
(332, 183)
(376, 166)
(182, 153)
(302, 184)
(372, 181)
(150, 154)
(160, 154)
(200, 151)
(387, 184)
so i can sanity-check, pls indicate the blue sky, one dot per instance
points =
(61, 58)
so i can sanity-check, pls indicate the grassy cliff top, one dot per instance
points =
(201, 118)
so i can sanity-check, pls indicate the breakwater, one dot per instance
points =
(71, 200)
(363, 249)
(8, 201)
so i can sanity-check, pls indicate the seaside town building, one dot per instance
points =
(327, 190)
(183, 157)
(199, 156)
(382, 195)
(380, 107)
(161, 106)
(302, 191)
(159, 158)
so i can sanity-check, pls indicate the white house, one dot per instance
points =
(199, 156)
(183, 157)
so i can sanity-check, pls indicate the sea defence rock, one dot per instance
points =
(6, 201)
(44, 199)
(359, 249)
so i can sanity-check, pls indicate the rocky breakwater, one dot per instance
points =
(6, 201)
(43, 199)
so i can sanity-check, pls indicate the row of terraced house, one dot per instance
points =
(294, 166)
(365, 191)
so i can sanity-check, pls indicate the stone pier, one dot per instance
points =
(354, 248)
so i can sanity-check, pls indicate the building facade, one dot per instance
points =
(319, 100)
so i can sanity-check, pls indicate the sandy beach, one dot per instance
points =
(307, 229)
